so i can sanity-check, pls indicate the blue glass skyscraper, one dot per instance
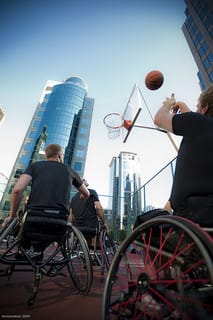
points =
(198, 31)
(63, 116)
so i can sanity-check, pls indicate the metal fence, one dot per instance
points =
(153, 194)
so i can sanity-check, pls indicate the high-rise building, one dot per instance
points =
(63, 115)
(198, 31)
(124, 182)
(2, 114)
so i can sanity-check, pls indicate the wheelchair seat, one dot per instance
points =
(88, 231)
(43, 227)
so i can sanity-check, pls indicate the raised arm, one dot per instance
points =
(163, 117)
(84, 191)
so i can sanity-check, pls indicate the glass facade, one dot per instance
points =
(198, 31)
(125, 177)
(63, 116)
(1, 115)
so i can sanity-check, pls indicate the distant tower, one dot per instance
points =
(198, 31)
(2, 114)
(124, 182)
(63, 116)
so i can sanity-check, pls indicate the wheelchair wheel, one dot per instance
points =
(9, 232)
(108, 248)
(79, 262)
(161, 271)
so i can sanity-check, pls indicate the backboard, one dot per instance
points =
(132, 110)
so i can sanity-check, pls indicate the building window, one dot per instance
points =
(77, 166)
(18, 173)
(85, 121)
(80, 153)
(83, 130)
(82, 142)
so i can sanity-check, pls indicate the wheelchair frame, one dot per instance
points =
(103, 248)
(163, 270)
(72, 253)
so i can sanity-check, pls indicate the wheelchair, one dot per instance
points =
(102, 247)
(163, 270)
(64, 250)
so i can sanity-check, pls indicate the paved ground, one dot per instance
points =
(56, 299)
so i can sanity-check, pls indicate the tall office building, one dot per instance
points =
(2, 114)
(198, 31)
(63, 115)
(124, 182)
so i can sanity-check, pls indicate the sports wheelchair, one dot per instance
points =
(64, 250)
(102, 247)
(163, 270)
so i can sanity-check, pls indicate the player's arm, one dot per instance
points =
(163, 117)
(70, 216)
(16, 195)
(100, 213)
(84, 192)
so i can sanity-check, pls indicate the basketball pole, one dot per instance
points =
(172, 141)
(158, 129)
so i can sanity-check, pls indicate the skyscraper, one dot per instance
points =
(63, 115)
(1, 114)
(198, 31)
(125, 181)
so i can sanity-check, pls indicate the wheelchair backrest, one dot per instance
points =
(45, 225)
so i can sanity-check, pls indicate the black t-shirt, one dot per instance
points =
(51, 185)
(193, 174)
(84, 211)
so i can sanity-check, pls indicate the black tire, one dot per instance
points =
(108, 248)
(161, 271)
(79, 264)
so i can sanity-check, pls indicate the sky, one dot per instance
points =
(111, 45)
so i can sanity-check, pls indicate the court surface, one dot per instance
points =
(57, 298)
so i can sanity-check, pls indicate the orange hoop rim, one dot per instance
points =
(114, 115)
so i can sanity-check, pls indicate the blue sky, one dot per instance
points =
(112, 45)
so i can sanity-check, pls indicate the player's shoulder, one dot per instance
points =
(93, 192)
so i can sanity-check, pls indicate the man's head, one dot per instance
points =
(205, 102)
(54, 152)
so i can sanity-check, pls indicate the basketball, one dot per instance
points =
(154, 80)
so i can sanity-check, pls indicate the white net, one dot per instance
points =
(114, 133)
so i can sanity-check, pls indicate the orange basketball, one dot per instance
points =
(154, 80)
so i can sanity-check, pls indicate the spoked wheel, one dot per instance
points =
(79, 265)
(9, 232)
(108, 248)
(161, 271)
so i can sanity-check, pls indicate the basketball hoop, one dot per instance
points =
(114, 122)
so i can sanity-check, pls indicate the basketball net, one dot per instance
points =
(114, 133)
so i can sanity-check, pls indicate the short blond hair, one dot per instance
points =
(206, 99)
(52, 150)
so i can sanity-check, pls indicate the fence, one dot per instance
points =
(153, 194)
